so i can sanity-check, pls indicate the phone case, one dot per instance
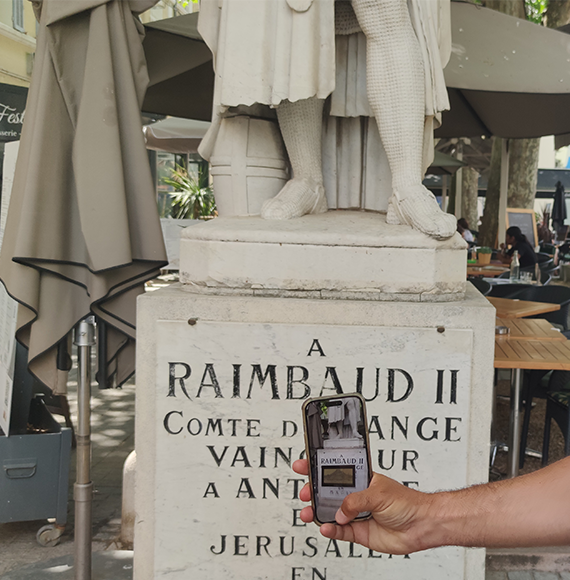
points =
(355, 452)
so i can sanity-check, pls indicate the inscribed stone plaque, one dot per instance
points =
(228, 403)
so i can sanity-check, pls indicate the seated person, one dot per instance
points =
(463, 229)
(517, 240)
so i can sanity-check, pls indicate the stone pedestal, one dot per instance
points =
(339, 254)
(224, 364)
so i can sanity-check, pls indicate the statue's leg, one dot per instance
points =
(301, 126)
(396, 92)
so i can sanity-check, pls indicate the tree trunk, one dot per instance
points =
(557, 13)
(523, 171)
(511, 7)
(490, 220)
(452, 193)
(470, 190)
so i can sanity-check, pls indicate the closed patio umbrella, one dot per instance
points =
(559, 213)
(444, 164)
(83, 233)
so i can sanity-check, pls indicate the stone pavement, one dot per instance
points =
(113, 439)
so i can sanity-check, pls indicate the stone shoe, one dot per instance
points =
(298, 197)
(420, 210)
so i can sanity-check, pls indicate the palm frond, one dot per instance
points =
(189, 199)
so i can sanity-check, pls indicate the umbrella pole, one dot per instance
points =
(444, 192)
(503, 190)
(459, 182)
(83, 488)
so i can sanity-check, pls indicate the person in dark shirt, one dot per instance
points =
(517, 240)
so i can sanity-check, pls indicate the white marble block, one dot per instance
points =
(220, 383)
(345, 254)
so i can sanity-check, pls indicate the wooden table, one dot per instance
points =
(487, 271)
(513, 308)
(528, 329)
(526, 352)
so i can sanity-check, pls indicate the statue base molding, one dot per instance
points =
(339, 254)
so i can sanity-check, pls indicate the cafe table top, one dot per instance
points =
(513, 308)
(490, 271)
(528, 329)
(532, 354)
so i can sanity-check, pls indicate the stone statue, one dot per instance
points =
(343, 419)
(281, 53)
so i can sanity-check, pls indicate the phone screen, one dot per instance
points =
(338, 452)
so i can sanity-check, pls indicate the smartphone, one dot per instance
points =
(338, 451)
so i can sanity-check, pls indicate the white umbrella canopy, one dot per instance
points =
(507, 77)
(83, 232)
(175, 135)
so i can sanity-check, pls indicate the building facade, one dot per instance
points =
(17, 49)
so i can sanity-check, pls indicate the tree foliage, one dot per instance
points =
(179, 6)
(536, 10)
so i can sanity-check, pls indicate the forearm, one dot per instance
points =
(504, 257)
(532, 510)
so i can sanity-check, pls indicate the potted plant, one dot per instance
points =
(192, 198)
(484, 255)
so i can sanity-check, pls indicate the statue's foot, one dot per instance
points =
(298, 197)
(417, 207)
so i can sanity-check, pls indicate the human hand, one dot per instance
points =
(400, 522)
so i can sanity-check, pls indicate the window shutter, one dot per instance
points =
(18, 15)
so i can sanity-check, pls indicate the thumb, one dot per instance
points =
(354, 504)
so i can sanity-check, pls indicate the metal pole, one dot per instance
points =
(459, 182)
(504, 188)
(83, 488)
(444, 193)
(515, 424)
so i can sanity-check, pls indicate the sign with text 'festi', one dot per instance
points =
(229, 426)
(12, 110)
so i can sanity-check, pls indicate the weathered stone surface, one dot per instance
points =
(342, 252)
(217, 425)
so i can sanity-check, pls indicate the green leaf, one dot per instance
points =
(189, 199)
